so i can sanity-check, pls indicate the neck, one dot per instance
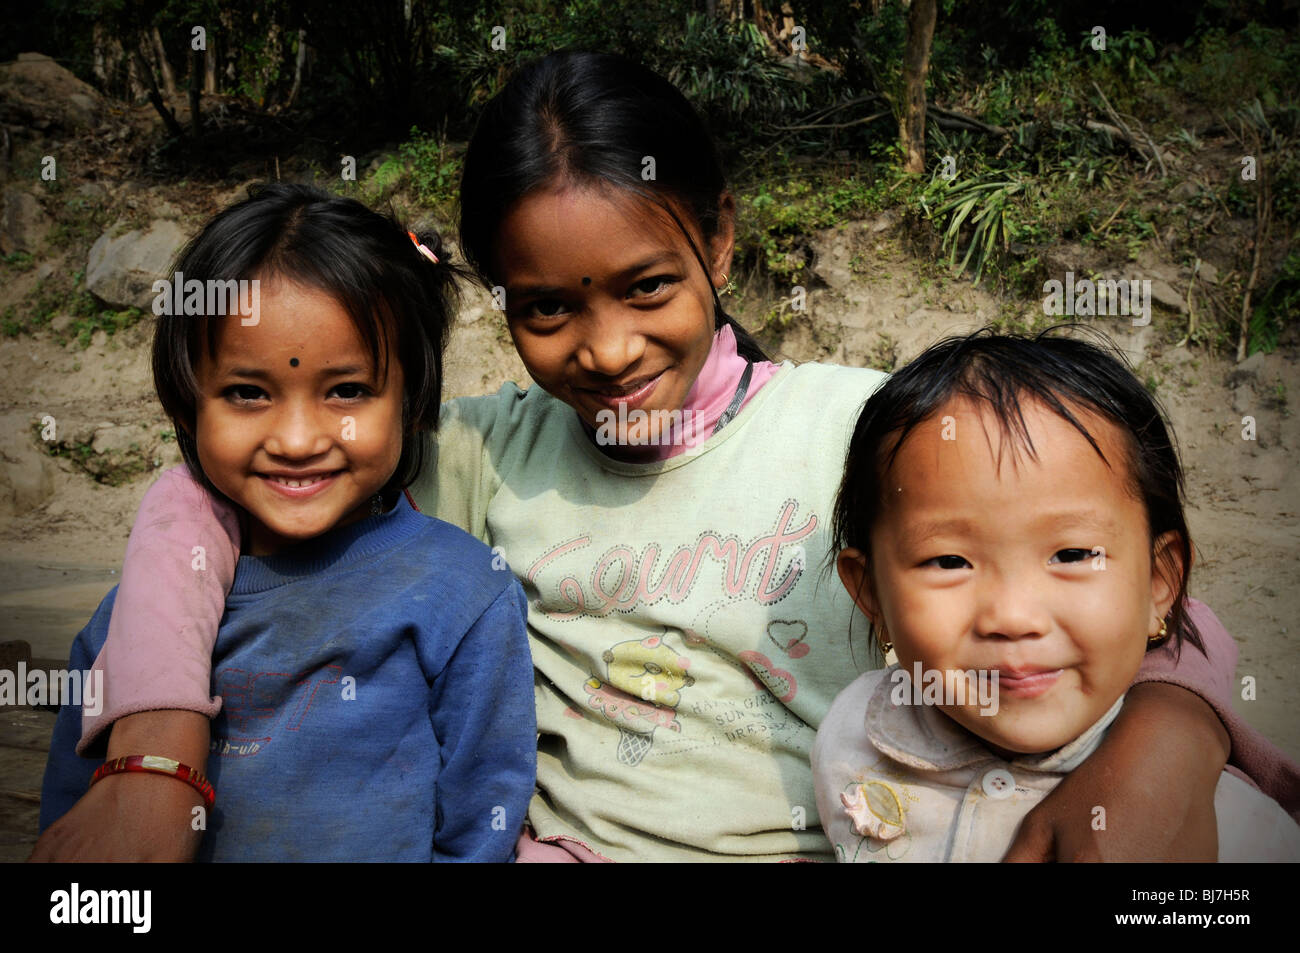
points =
(709, 397)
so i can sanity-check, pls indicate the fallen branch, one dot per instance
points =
(967, 122)
(834, 125)
(1110, 111)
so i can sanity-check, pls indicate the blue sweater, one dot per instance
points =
(378, 702)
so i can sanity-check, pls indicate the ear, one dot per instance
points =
(1166, 571)
(855, 574)
(723, 245)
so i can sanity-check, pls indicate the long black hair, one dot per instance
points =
(1000, 372)
(592, 118)
(364, 260)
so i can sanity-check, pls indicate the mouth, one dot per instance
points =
(297, 486)
(633, 393)
(1026, 683)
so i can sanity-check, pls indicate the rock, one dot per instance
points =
(165, 209)
(1208, 273)
(1243, 399)
(11, 653)
(118, 439)
(121, 270)
(23, 223)
(26, 470)
(884, 221)
(93, 193)
(1247, 372)
(1164, 294)
(35, 85)
(1184, 191)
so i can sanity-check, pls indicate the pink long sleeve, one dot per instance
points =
(180, 563)
(1211, 677)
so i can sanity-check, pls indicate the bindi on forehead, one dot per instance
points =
(293, 362)
(586, 280)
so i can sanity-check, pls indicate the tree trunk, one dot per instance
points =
(196, 92)
(100, 42)
(165, 68)
(135, 88)
(297, 68)
(227, 33)
(210, 71)
(916, 64)
(168, 117)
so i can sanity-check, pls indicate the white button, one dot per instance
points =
(999, 784)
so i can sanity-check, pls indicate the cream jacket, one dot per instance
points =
(906, 783)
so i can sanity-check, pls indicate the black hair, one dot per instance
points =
(592, 118)
(999, 372)
(364, 260)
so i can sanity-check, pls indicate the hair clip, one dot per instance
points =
(423, 249)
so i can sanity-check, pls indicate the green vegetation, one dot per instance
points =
(1038, 136)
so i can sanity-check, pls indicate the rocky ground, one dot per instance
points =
(81, 435)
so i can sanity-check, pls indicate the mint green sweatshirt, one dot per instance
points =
(685, 639)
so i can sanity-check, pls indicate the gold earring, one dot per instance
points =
(882, 637)
(1159, 636)
(728, 286)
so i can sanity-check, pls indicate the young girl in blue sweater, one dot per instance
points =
(374, 666)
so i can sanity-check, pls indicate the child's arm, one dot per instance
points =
(180, 563)
(135, 817)
(1147, 792)
(1211, 677)
(484, 715)
(95, 825)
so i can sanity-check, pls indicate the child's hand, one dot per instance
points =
(136, 817)
(125, 817)
(1146, 794)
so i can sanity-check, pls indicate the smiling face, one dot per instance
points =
(605, 300)
(271, 422)
(1040, 569)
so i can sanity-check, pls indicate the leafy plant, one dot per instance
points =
(984, 202)
(1278, 303)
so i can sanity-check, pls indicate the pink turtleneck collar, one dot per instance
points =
(708, 399)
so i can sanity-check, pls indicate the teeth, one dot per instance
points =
(297, 483)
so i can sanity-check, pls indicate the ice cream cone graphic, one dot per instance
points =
(640, 693)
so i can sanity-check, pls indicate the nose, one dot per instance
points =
(612, 341)
(298, 433)
(1011, 606)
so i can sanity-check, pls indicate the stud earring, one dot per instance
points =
(882, 637)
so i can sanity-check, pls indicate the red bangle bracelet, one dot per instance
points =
(152, 764)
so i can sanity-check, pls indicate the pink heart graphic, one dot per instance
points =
(766, 675)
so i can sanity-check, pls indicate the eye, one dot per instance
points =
(947, 562)
(350, 391)
(544, 309)
(650, 287)
(1073, 555)
(243, 393)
